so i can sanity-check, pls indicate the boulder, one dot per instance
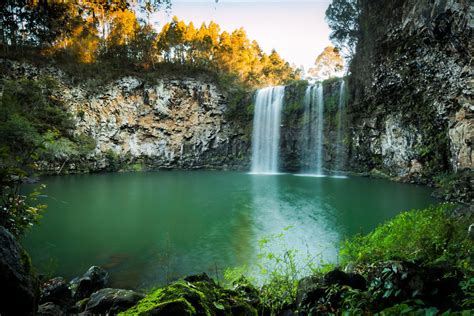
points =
(309, 289)
(112, 301)
(336, 276)
(246, 290)
(56, 291)
(18, 285)
(93, 280)
(313, 289)
(50, 309)
(356, 281)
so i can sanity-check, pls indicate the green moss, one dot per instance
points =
(330, 81)
(147, 304)
(172, 307)
(201, 296)
(113, 160)
(25, 261)
(136, 167)
(331, 102)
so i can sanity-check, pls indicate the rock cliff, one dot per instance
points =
(156, 123)
(412, 87)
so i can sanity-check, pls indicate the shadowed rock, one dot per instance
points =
(18, 285)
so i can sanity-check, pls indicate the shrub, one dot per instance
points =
(18, 212)
(430, 236)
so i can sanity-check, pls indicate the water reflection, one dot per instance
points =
(301, 217)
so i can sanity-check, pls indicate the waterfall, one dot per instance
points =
(340, 156)
(313, 119)
(266, 129)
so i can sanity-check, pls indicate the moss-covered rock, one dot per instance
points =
(195, 295)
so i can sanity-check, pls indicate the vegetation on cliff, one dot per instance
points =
(86, 36)
(34, 125)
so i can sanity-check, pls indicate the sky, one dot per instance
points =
(296, 29)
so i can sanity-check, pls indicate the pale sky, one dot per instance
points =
(296, 29)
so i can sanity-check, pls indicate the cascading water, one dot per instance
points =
(266, 129)
(312, 147)
(340, 156)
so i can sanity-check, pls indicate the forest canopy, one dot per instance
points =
(120, 33)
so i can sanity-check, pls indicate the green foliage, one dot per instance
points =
(294, 103)
(467, 287)
(343, 19)
(279, 273)
(112, 35)
(409, 309)
(331, 103)
(114, 161)
(18, 212)
(327, 65)
(429, 235)
(240, 107)
(282, 285)
(84, 144)
(34, 121)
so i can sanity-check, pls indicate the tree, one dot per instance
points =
(123, 29)
(343, 18)
(327, 65)
(143, 48)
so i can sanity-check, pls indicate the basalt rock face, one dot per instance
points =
(294, 123)
(412, 87)
(160, 123)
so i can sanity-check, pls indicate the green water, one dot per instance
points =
(150, 228)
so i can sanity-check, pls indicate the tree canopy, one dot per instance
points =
(343, 18)
(328, 64)
(113, 32)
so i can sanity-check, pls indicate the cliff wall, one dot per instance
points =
(411, 89)
(160, 123)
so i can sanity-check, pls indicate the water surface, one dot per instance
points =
(152, 227)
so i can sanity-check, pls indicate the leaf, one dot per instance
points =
(431, 311)
(219, 306)
(387, 293)
(406, 310)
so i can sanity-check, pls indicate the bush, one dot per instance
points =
(430, 236)
(18, 212)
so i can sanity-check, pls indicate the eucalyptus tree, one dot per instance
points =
(343, 19)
